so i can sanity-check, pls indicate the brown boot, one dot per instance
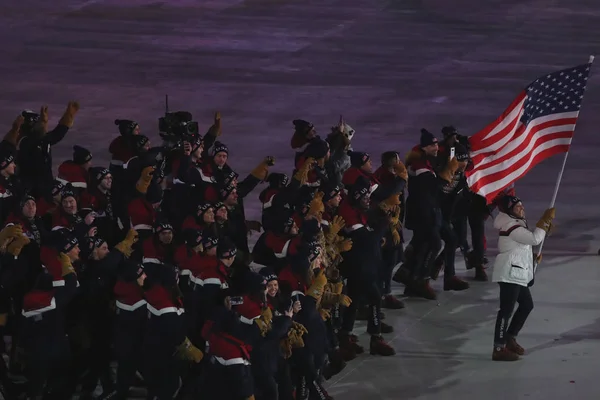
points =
(385, 328)
(504, 354)
(513, 346)
(424, 290)
(350, 344)
(347, 348)
(380, 348)
(454, 283)
(402, 275)
(480, 274)
(392, 302)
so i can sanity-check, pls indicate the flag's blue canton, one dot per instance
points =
(558, 92)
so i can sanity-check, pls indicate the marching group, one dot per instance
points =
(147, 262)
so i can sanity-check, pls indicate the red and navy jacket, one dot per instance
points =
(354, 217)
(215, 286)
(120, 151)
(292, 282)
(129, 296)
(189, 264)
(142, 215)
(76, 175)
(161, 291)
(313, 177)
(50, 261)
(191, 222)
(155, 252)
(353, 173)
(71, 222)
(94, 199)
(225, 339)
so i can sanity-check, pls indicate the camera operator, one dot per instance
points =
(34, 147)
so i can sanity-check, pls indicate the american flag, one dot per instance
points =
(538, 124)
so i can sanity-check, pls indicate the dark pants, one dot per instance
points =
(449, 254)
(426, 243)
(390, 256)
(363, 291)
(477, 215)
(48, 363)
(276, 386)
(510, 294)
(460, 223)
(98, 356)
(129, 336)
(227, 382)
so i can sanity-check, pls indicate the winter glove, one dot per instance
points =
(17, 245)
(125, 246)
(65, 262)
(331, 299)
(301, 329)
(538, 259)
(215, 129)
(345, 245)
(145, 179)
(262, 170)
(337, 288)
(337, 224)
(12, 136)
(316, 289)
(44, 118)
(69, 116)
(325, 314)
(401, 171)
(316, 207)
(332, 274)
(396, 237)
(286, 347)
(390, 204)
(295, 339)
(265, 321)
(187, 351)
(546, 221)
(253, 226)
(10, 232)
(447, 173)
(395, 216)
(302, 174)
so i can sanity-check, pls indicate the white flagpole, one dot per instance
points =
(558, 180)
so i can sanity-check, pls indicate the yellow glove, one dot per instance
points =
(325, 314)
(286, 348)
(145, 179)
(396, 237)
(215, 129)
(448, 173)
(344, 300)
(125, 246)
(302, 174)
(187, 351)
(261, 171)
(538, 259)
(11, 232)
(44, 118)
(65, 262)
(337, 288)
(299, 328)
(345, 245)
(316, 207)
(316, 289)
(391, 203)
(401, 171)
(16, 246)
(337, 224)
(545, 221)
(296, 340)
(265, 321)
(12, 136)
(69, 116)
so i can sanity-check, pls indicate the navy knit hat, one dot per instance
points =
(358, 159)
(301, 126)
(126, 127)
(427, 138)
(226, 249)
(81, 155)
(460, 152)
(317, 149)
(219, 147)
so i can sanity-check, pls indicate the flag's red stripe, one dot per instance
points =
(481, 164)
(478, 141)
(536, 160)
(512, 165)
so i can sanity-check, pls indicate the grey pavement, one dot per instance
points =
(390, 68)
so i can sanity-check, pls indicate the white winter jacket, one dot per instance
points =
(514, 262)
